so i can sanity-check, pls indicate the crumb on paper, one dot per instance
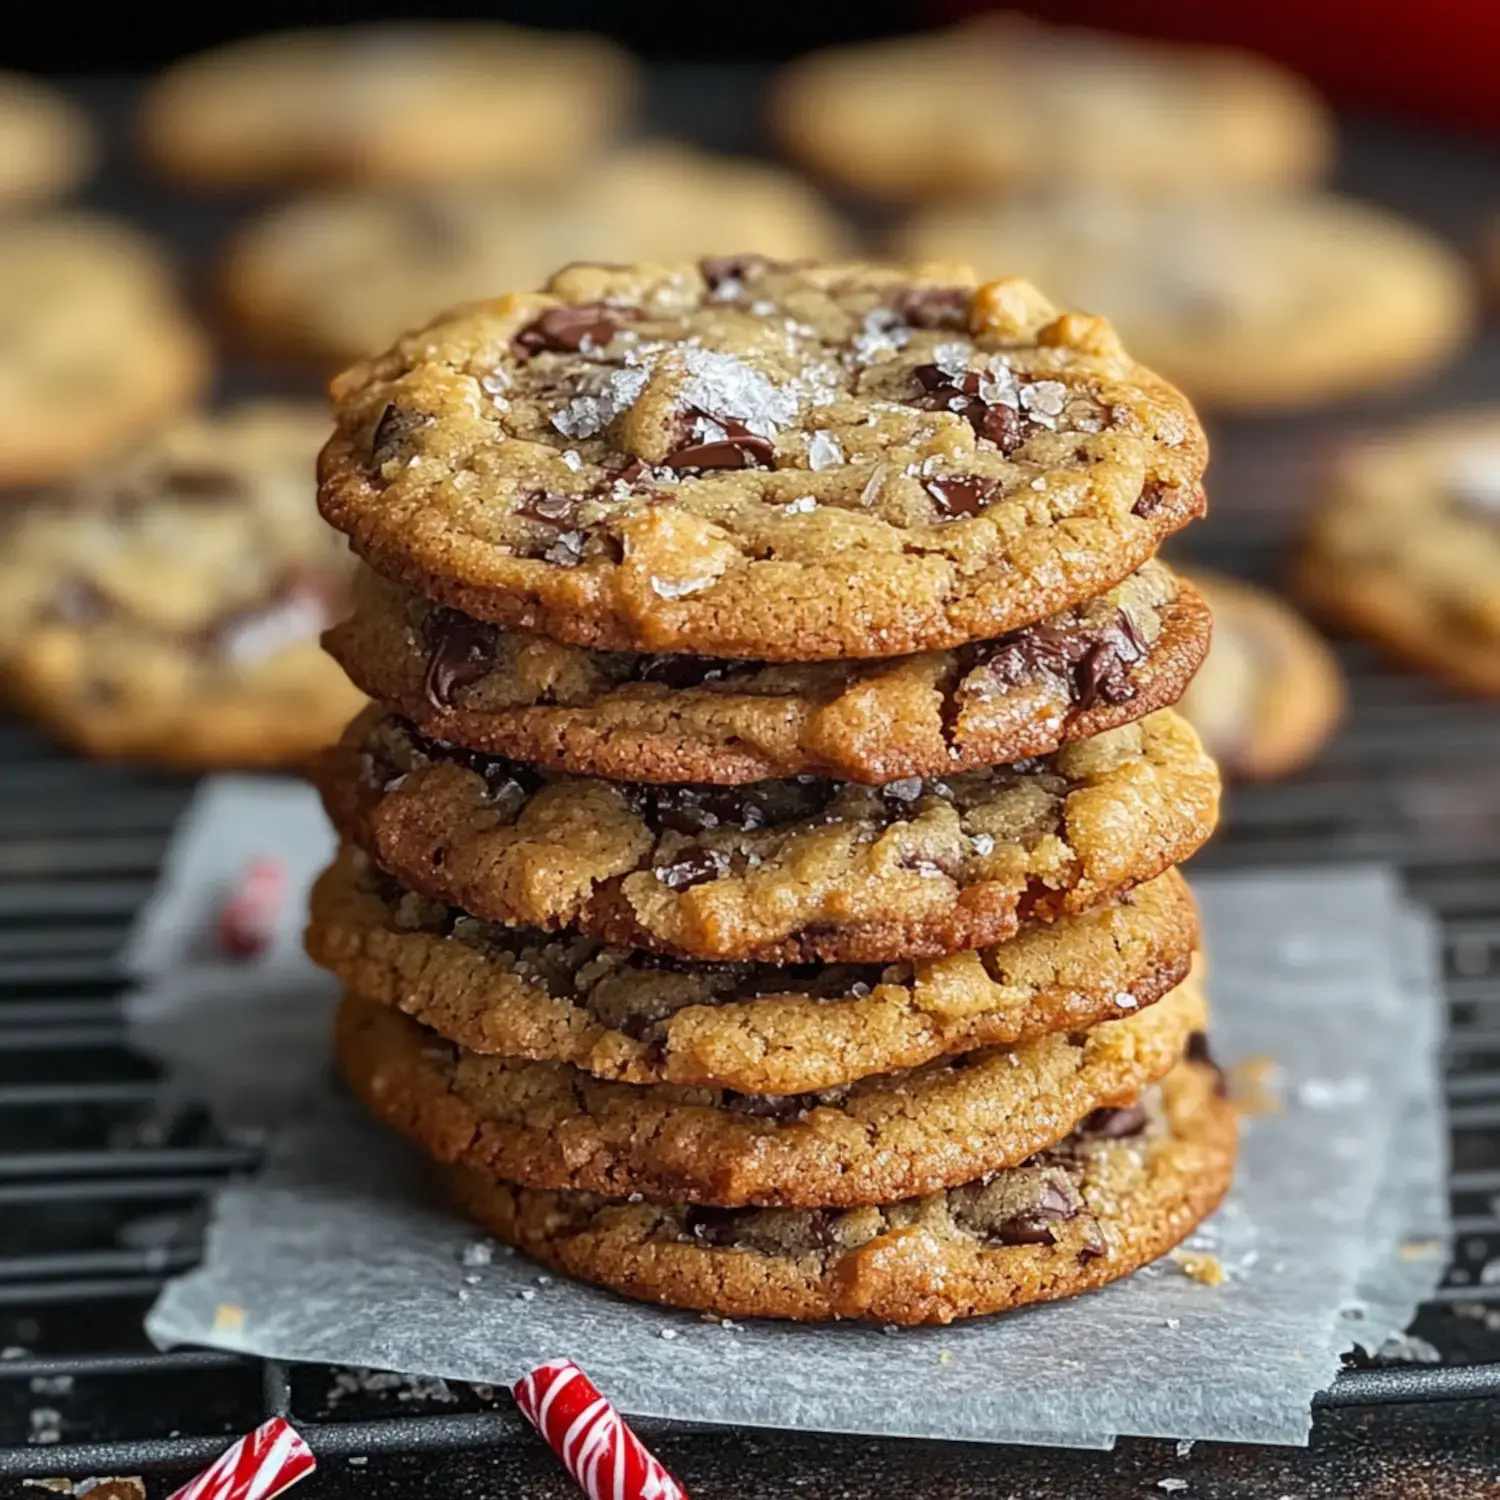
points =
(229, 1317)
(946, 1357)
(1257, 1085)
(46, 1426)
(1185, 1446)
(477, 1253)
(1173, 1323)
(1171, 1485)
(1419, 1249)
(1205, 1269)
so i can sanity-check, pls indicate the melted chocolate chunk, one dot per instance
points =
(779, 1107)
(739, 448)
(1003, 425)
(1112, 1124)
(508, 781)
(462, 652)
(762, 804)
(391, 433)
(1154, 494)
(1034, 1226)
(697, 867)
(933, 306)
(567, 330)
(718, 269)
(1197, 1051)
(688, 671)
(962, 497)
(1094, 663)
(550, 508)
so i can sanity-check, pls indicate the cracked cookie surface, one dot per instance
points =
(548, 1125)
(169, 606)
(1123, 1189)
(754, 461)
(1106, 662)
(777, 871)
(755, 1028)
(1405, 546)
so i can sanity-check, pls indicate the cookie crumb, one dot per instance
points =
(1185, 1446)
(1206, 1270)
(229, 1317)
(1171, 1486)
(1257, 1085)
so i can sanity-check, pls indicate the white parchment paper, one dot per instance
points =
(338, 1253)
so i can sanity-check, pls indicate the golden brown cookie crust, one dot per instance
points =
(1138, 1200)
(1108, 662)
(1405, 547)
(547, 1125)
(623, 1017)
(781, 871)
(1271, 692)
(509, 463)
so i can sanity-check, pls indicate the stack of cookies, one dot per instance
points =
(758, 876)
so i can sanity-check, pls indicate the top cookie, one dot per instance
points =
(1003, 102)
(1406, 546)
(397, 103)
(1248, 301)
(45, 143)
(335, 276)
(758, 461)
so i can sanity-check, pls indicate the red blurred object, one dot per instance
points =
(247, 920)
(1440, 59)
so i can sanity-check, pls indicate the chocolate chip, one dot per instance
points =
(1154, 494)
(391, 433)
(1095, 663)
(961, 497)
(1033, 1226)
(1197, 1051)
(629, 473)
(780, 1107)
(462, 652)
(1095, 1246)
(696, 867)
(77, 602)
(933, 306)
(1112, 1124)
(1104, 672)
(688, 671)
(567, 330)
(711, 1226)
(763, 804)
(1003, 426)
(718, 269)
(739, 448)
(550, 508)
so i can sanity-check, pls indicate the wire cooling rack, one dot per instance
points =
(103, 1183)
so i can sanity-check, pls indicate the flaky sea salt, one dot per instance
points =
(679, 588)
(824, 452)
(591, 412)
(723, 385)
(803, 505)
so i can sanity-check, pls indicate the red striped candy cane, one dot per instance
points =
(247, 920)
(261, 1465)
(606, 1458)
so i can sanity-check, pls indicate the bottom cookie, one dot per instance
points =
(1122, 1190)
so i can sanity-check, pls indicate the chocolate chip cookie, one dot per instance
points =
(1106, 662)
(1405, 547)
(548, 1125)
(777, 871)
(760, 462)
(1125, 1187)
(168, 607)
(756, 1028)
(428, 102)
(1005, 102)
(94, 349)
(1246, 302)
(1271, 691)
(338, 276)
(46, 146)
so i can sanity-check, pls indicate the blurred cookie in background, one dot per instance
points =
(1253, 303)
(1004, 102)
(400, 103)
(167, 608)
(46, 144)
(1271, 691)
(1405, 547)
(94, 347)
(337, 276)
